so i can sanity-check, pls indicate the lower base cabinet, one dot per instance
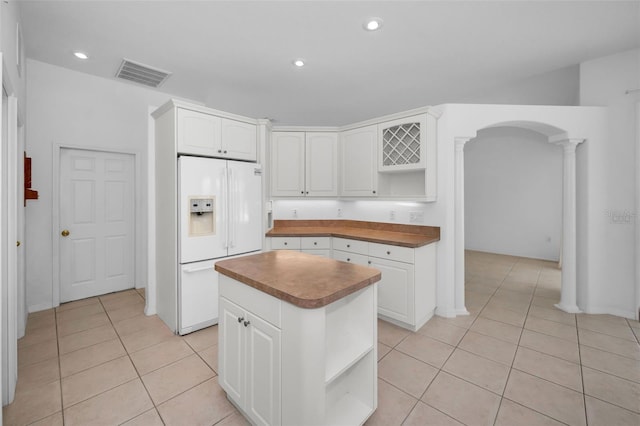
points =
(407, 290)
(251, 362)
(281, 364)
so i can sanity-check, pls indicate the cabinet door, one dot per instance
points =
(321, 173)
(239, 140)
(359, 162)
(231, 350)
(395, 289)
(263, 371)
(198, 133)
(287, 164)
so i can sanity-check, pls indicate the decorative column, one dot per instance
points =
(568, 293)
(460, 308)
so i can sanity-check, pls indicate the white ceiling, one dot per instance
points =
(236, 55)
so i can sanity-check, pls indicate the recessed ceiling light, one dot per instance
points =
(80, 55)
(298, 63)
(372, 24)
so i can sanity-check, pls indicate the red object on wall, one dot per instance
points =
(29, 194)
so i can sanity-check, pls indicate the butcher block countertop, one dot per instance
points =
(376, 232)
(301, 279)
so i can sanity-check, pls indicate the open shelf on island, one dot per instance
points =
(351, 397)
(349, 332)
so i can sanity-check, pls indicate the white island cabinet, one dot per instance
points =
(292, 351)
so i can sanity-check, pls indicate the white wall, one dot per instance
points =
(71, 108)
(613, 183)
(559, 87)
(513, 193)
(368, 210)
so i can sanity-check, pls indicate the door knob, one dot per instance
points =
(17, 243)
(65, 233)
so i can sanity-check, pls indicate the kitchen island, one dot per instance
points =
(298, 338)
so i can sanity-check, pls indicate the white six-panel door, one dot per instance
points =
(96, 229)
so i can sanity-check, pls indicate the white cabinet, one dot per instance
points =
(359, 159)
(407, 157)
(402, 144)
(287, 164)
(321, 174)
(198, 133)
(250, 363)
(407, 290)
(281, 364)
(205, 134)
(319, 246)
(304, 164)
(238, 140)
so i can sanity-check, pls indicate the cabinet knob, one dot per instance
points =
(306, 192)
(246, 323)
(219, 151)
(388, 252)
(369, 262)
(285, 243)
(225, 151)
(302, 192)
(374, 192)
(240, 319)
(348, 259)
(315, 243)
(348, 245)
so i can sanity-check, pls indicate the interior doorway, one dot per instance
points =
(554, 135)
(96, 229)
(513, 207)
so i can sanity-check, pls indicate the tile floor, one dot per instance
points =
(515, 360)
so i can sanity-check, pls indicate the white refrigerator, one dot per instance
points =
(220, 210)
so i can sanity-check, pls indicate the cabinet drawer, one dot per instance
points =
(313, 243)
(386, 251)
(285, 243)
(353, 246)
(248, 298)
(354, 258)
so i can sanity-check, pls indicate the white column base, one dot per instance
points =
(571, 309)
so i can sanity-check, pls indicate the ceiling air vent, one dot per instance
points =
(142, 74)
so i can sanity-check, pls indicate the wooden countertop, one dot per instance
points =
(376, 232)
(301, 279)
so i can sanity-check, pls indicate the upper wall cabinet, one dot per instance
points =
(407, 158)
(304, 164)
(205, 134)
(359, 159)
(402, 144)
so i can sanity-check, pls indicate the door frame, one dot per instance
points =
(138, 234)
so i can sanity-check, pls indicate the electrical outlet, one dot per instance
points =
(294, 213)
(416, 217)
(392, 215)
(339, 212)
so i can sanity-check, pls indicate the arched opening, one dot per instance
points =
(553, 135)
(513, 221)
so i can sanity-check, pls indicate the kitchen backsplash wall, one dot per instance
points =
(416, 213)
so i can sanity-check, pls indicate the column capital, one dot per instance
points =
(460, 142)
(569, 144)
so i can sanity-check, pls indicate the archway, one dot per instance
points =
(555, 135)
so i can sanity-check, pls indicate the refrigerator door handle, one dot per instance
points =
(232, 208)
(224, 208)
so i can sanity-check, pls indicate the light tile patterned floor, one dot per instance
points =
(516, 360)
